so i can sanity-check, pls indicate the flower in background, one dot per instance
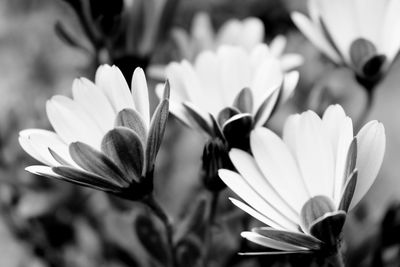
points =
(229, 92)
(302, 186)
(247, 33)
(121, 32)
(355, 33)
(104, 137)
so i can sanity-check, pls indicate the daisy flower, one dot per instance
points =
(229, 92)
(356, 33)
(302, 186)
(247, 33)
(104, 137)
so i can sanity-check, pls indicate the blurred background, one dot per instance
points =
(44, 45)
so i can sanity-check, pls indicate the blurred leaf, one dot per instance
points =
(151, 238)
(189, 251)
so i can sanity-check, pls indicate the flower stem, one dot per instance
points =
(366, 110)
(162, 215)
(210, 223)
(335, 260)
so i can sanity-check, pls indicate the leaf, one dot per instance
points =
(156, 133)
(126, 149)
(133, 120)
(96, 162)
(151, 238)
(67, 37)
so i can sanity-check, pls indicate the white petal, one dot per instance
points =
(390, 42)
(252, 33)
(112, 82)
(268, 242)
(267, 78)
(202, 32)
(369, 15)
(279, 167)
(41, 170)
(71, 122)
(343, 31)
(289, 84)
(371, 141)
(290, 130)
(235, 71)
(140, 94)
(239, 185)
(30, 149)
(251, 173)
(278, 45)
(252, 212)
(94, 102)
(291, 61)
(42, 140)
(314, 34)
(314, 155)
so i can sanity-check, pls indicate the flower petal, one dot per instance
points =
(279, 167)
(240, 186)
(370, 151)
(269, 242)
(126, 150)
(96, 162)
(156, 133)
(293, 238)
(131, 119)
(348, 191)
(140, 95)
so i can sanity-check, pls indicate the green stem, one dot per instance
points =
(366, 110)
(162, 215)
(335, 260)
(210, 223)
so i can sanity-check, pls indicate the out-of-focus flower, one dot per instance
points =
(247, 33)
(228, 92)
(355, 33)
(303, 186)
(121, 32)
(104, 137)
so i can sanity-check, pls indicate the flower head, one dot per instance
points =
(355, 33)
(303, 185)
(246, 33)
(228, 92)
(103, 137)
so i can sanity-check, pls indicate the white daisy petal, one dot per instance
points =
(271, 243)
(371, 143)
(239, 185)
(140, 94)
(279, 167)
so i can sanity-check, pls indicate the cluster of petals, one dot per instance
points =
(302, 185)
(247, 34)
(104, 137)
(227, 87)
(363, 36)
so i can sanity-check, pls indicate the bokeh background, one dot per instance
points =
(50, 223)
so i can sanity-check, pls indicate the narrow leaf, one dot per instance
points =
(199, 119)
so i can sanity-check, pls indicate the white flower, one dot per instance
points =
(104, 137)
(303, 185)
(247, 33)
(228, 86)
(357, 33)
